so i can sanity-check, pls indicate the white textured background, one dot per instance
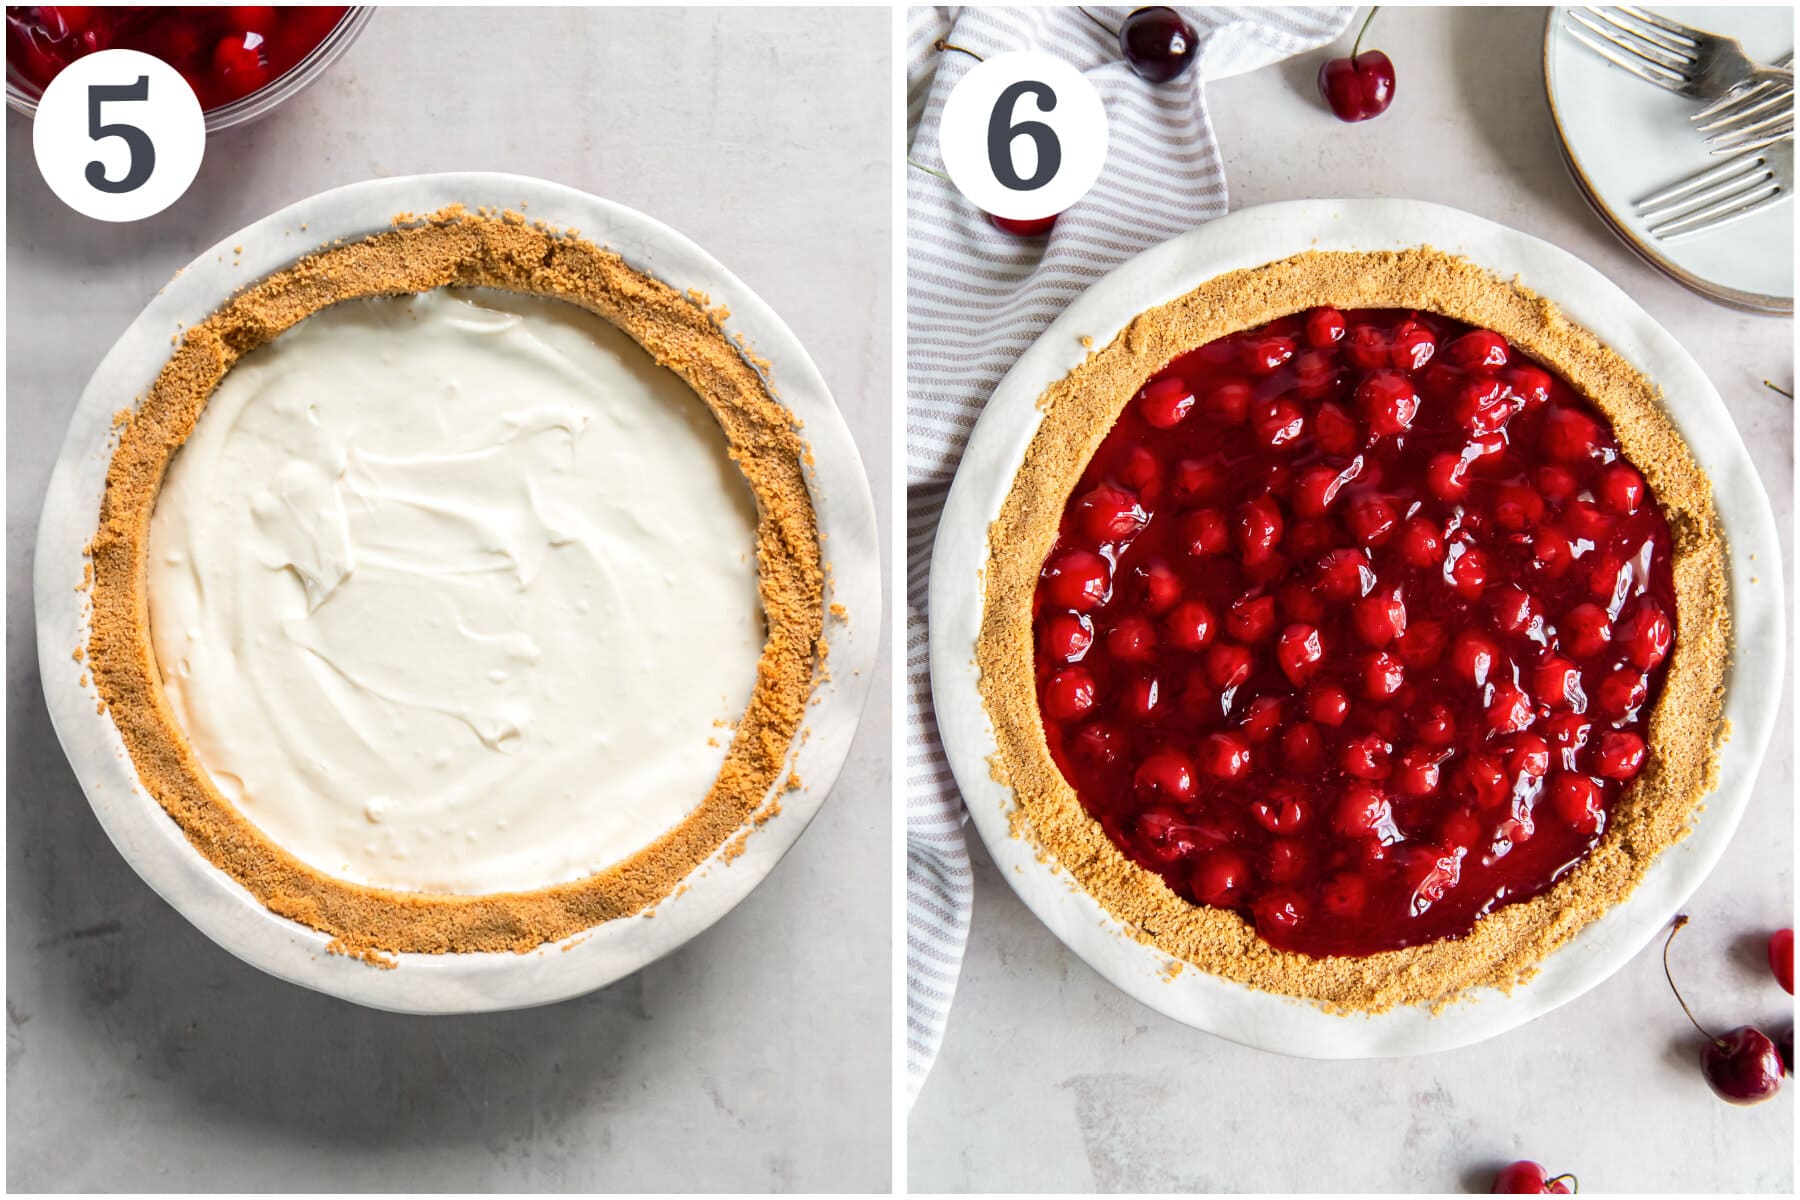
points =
(142, 1057)
(1050, 1079)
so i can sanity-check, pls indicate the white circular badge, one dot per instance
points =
(1023, 135)
(118, 135)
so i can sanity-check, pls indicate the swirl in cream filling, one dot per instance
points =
(456, 592)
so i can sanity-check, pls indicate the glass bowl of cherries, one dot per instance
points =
(241, 61)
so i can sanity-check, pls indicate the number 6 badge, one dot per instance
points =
(118, 135)
(1023, 135)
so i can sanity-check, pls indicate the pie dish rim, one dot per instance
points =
(475, 980)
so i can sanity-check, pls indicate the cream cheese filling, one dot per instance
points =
(456, 592)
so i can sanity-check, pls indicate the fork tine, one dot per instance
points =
(1654, 37)
(1740, 180)
(1660, 76)
(1729, 100)
(1780, 133)
(1759, 126)
(1782, 98)
(1706, 222)
(1674, 28)
(1629, 39)
(1731, 166)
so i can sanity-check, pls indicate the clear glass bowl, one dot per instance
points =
(260, 103)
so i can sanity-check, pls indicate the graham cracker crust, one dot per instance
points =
(455, 248)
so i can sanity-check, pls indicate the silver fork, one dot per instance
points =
(1746, 102)
(1719, 195)
(1689, 62)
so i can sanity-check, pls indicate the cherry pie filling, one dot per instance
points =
(1353, 626)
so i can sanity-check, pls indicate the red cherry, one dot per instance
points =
(1585, 631)
(1069, 693)
(1025, 227)
(1422, 644)
(1518, 508)
(1345, 574)
(1413, 348)
(1576, 801)
(1221, 878)
(1417, 772)
(1621, 692)
(1366, 757)
(1362, 811)
(1620, 489)
(1327, 704)
(1557, 682)
(240, 64)
(1370, 519)
(1281, 813)
(1132, 640)
(1165, 403)
(1205, 531)
(1228, 666)
(1473, 656)
(1280, 909)
(1387, 402)
(1262, 720)
(1646, 635)
(1335, 430)
(1436, 725)
(1266, 354)
(1197, 480)
(1156, 586)
(1526, 1178)
(1299, 652)
(1483, 406)
(1554, 483)
(1067, 636)
(1509, 709)
(1420, 543)
(1277, 423)
(1157, 43)
(1225, 756)
(1514, 609)
(1571, 436)
(1257, 529)
(1383, 675)
(1190, 625)
(1251, 618)
(1077, 579)
(1527, 382)
(1466, 570)
(1781, 958)
(1620, 755)
(1110, 514)
(1447, 476)
(1301, 747)
(1379, 619)
(1166, 775)
(1360, 86)
(1324, 327)
(1315, 488)
(1100, 743)
(1142, 471)
(1528, 754)
(1485, 777)
(1228, 402)
(1478, 350)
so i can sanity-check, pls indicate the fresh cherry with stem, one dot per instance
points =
(1156, 42)
(1743, 1066)
(1526, 1178)
(1360, 86)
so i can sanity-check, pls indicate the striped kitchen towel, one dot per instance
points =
(977, 297)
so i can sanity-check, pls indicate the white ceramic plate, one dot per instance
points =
(1251, 238)
(1624, 139)
(223, 910)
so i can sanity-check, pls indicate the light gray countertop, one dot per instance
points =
(1050, 1079)
(142, 1057)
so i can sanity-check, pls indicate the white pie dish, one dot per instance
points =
(152, 842)
(997, 447)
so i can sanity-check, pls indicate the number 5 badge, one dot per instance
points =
(118, 135)
(1023, 135)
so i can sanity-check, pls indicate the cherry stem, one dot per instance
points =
(928, 170)
(1096, 20)
(1680, 920)
(1778, 389)
(1357, 44)
(941, 44)
(1574, 1183)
